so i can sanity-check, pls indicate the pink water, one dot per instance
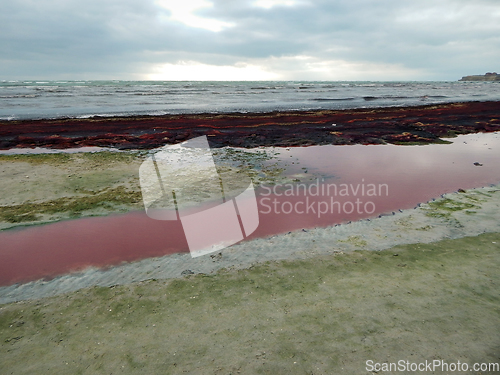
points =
(412, 174)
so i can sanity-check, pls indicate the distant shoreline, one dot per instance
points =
(490, 77)
(396, 125)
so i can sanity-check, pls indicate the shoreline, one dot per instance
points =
(395, 125)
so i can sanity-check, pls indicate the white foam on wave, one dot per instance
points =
(41, 150)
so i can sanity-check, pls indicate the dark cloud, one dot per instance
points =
(124, 38)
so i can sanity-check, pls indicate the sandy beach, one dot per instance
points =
(406, 283)
(250, 187)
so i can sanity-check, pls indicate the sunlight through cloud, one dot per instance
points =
(195, 71)
(184, 12)
(268, 4)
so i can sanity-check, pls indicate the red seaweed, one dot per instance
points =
(397, 125)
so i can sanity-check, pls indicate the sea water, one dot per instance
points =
(56, 99)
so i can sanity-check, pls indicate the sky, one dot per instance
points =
(248, 39)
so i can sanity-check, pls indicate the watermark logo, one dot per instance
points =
(179, 179)
(430, 366)
(322, 198)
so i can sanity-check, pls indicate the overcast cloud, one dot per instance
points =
(255, 39)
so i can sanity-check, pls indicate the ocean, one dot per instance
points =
(81, 99)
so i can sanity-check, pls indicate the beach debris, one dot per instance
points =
(386, 214)
(216, 257)
(14, 339)
(260, 354)
(187, 272)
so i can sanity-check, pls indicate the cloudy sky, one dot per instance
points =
(249, 39)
